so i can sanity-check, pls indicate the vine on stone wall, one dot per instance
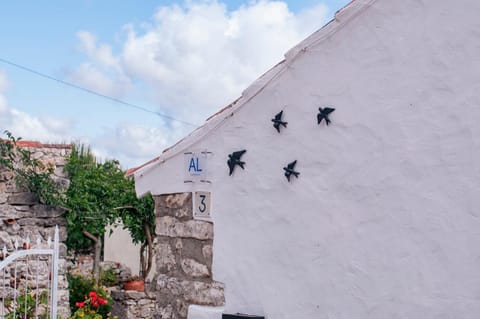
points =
(30, 173)
(98, 195)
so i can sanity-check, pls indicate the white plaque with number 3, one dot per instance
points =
(201, 205)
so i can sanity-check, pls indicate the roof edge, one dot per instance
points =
(341, 17)
(36, 144)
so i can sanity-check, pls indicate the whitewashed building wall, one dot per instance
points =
(384, 219)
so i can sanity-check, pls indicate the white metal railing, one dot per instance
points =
(20, 269)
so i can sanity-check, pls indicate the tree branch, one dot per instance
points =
(90, 235)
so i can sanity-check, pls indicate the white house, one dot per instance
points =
(383, 220)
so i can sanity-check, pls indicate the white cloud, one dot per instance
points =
(93, 78)
(130, 144)
(198, 57)
(103, 73)
(30, 127)
(27, 126)
(135, 144)
(102, 54)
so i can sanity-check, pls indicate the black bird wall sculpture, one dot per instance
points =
(324, 112)
(234, 160)
(277, 121)
(290, 170)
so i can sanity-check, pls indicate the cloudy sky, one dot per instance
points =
(183, 59)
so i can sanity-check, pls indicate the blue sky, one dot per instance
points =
(186, 59)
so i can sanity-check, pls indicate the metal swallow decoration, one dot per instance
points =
(234, 160)
(323, 114)
(277, 121)
(290, 170)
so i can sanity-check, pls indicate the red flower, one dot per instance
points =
(93, 294)
(80, 304)
(102, 301)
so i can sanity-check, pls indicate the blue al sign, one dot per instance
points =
(195, 165)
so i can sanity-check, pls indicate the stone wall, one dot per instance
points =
(132, 304)
(22, 216)
(184, 259)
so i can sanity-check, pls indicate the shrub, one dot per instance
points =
(81, 288)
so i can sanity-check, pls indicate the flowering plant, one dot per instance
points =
(89, 308)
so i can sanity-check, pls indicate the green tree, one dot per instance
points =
(94, 192)
(139, 219)
(98, 195)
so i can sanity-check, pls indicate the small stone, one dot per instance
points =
(182, 308)
(25, 198)
(6, 175)
(207, 252)
(183, 212)
(194, 269)
(178, 244)
(165, 312)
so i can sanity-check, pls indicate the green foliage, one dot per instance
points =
(7, 151)
(30, 173)
(139, 213)
(25, 307)
(108, 277)
(98, 195)
(79, 289)
(38, 179)
(95, 190)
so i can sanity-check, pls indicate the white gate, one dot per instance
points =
(29, 278)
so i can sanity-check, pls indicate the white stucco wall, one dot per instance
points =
(384, 220)
(118, 247)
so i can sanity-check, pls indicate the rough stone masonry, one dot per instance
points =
(184, 259)
(22, 216)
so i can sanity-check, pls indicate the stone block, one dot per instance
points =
(11, 212)
(193, 292)
(175, 205)
(23, 208)
(183, 213)
(165, 312)
(171, 227)
(38, 155)
(178, 200)
(182, 308)
(194, 269)
(25, 198)
(6, 175)
(44, 222)
(3, 198)
(44, 211)
(166, 258)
